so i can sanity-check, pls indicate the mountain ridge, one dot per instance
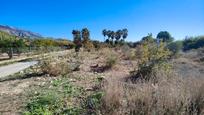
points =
(19, 32)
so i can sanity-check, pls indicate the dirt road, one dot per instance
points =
(14, 68)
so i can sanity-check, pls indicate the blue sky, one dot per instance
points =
(57, 18)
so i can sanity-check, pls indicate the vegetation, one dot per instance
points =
(148, 38)
(14, 45)
(77, 40)
(111, 61)
(119, 36)
(152, 57)
(8, 43)
(86, 39)
(175, 47)
(54, 67)
(164, 36)
(55, 100)
(142, 77)
(172, 94)
(193, 43)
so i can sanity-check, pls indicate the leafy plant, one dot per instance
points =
(175, 47)
(57, 99)
(93, 103)
(151, 57)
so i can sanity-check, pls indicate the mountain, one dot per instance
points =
(19, 32)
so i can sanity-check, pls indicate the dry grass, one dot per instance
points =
(55, 66)
(172, 95)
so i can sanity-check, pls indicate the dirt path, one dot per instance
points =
(14, 68)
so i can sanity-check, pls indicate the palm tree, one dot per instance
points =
(125, 33)
(104, 32)
(85, 35)
(109, 34)
(112, 33)
(118, 35)
(77, 39)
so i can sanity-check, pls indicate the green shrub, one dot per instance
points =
(55, 100)
(151, 57)
(175, 47)
(44, 103)
(93, 103)
(193, 43)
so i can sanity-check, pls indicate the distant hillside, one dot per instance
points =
(19, 32)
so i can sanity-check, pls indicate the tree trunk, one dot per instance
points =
(10, 53)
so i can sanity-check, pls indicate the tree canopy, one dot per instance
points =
(164, 36)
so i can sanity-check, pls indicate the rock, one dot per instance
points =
(89, 89)
(21, 72)
(72, 80)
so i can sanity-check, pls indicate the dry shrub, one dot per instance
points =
(112, 100)
(110, 57)
(54, 66)
(88, 46)
(171, 95)
(105, 52)
(128, 53)
(111, 61)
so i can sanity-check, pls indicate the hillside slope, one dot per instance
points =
(19, 32)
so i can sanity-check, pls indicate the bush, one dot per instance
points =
(88, 45)
(54, 67)
(128, 53)
(171, 95)
(92, 104)
(111, 60)
(151, 57)
(41, 104)
(193, 43)
(175, 47)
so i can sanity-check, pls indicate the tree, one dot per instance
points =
(165, 36)
(104, 32)
(9, 42)
(19, 45)
(118, 35)
(88, 45)
(109, 32)
(115, 35)
(85, 35)
(125, 33)
(148, 38)
(77, 40)
(112, 37)
(7, 47)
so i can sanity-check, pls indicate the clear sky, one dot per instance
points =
(57, 18)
